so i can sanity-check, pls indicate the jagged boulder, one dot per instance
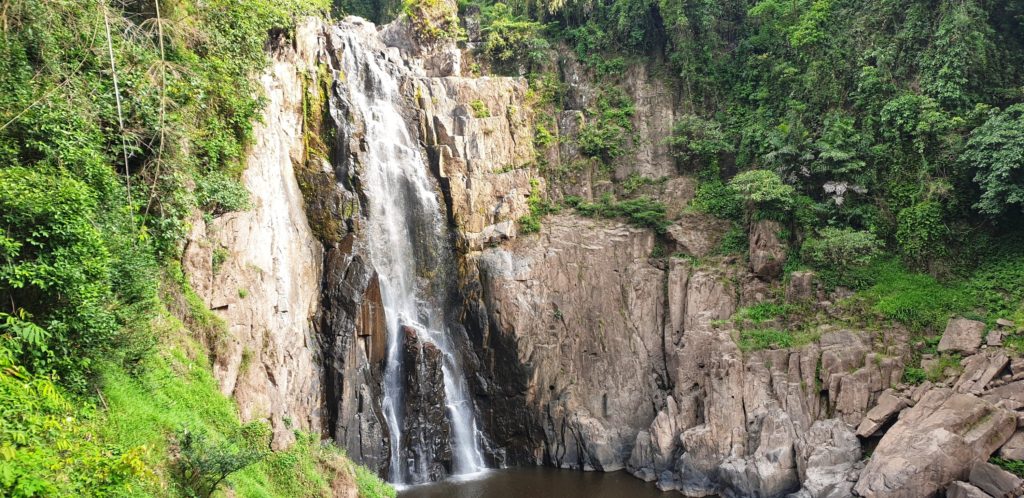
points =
(1014, 448)
(960, 489)
(827, 457)
(771, 470)
(979, 370)
(888, 406)
(962, 336)
(996, 481)
(697, 234)
(934, 443)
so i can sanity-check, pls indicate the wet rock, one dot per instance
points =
(934, 443)
(426, 432)
(996, 481)
(767, 251)
(962, 336)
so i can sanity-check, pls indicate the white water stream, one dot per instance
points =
(406, 233)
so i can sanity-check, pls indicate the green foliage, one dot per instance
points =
(47, 444)
(371, 486)
(434, 20)
(762, 312)
(839, 249)
(608, 132)
(204, 463)
(511, 41)
(996, 151)
(718, 199)
(539, 207)
(763, 190)
(480, 109)
(914, 375)
(914, 299)
(219, 193)
(759, 339)
(921, 232)
(695, 139)
(641, 211)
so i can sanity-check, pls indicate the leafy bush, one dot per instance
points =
(219, 193)
(608, 132)
(204, 463)
(718, 199)
(511, 40)
(695, 138)
(371, 486)
(921, 233)
(763, 191)
(642, 211)
(480, 109)
(915, 299)
(996, 151)
(538, 208)
(838, 249)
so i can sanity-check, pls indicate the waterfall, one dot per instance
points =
(408, 245)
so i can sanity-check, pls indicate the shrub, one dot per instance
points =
(695, 138)
(480, 109)
(762, 312)
(433, 20)
(218, 193)
(642, 211)
(837, 249)
(538, 208)
(511, 40)
(758, 339)
(718, 199)
(996, 151)
(763, 191)
(609, 130)
(203, 463)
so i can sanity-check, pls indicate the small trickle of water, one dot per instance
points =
(407, 238)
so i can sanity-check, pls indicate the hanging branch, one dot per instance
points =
(117, 98)
(163, 107)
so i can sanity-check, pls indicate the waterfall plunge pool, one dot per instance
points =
(529, 482)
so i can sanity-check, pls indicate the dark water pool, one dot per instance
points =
(528, 482)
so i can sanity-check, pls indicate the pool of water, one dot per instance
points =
(537, 482)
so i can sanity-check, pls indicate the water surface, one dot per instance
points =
(530, 482)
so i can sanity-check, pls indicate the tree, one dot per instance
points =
(996, 150)
(764, 192)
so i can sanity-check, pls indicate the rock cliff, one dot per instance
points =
(587, 347)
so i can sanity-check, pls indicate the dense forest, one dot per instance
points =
(886, 136)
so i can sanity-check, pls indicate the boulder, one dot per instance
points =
(1010, 396)
(772, 469)
(962, 336)
(995, 481)
(960, 489)
(887, 407)
(801, 286)
(827, 456)
(979, 370)
(1014, 448)
(934, 443)
(767, 251)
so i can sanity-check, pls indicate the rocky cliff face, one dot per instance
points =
(587, 349)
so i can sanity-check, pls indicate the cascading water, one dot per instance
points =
(408, 248)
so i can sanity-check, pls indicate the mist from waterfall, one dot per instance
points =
(409, 248)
